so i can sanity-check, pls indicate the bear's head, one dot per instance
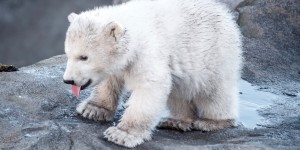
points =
(95, 49)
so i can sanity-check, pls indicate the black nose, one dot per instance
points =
(69, 81)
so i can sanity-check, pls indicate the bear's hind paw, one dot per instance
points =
(169, 123)
(211, 125)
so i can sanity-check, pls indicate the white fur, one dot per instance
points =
(180, 54)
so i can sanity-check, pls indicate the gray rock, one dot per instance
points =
(37, 111)
(271, 30)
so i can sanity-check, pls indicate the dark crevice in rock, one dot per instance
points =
(71, 142)
(290, 94)
(7, 68)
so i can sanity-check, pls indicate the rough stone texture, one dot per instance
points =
(37, 111)
(271, 30)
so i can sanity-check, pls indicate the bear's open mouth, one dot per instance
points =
(86, 85)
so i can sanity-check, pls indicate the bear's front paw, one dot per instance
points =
(126, 138)
(91, 110)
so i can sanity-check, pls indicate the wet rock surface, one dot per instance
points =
(37, 111)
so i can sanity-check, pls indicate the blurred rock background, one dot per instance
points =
(33, 30)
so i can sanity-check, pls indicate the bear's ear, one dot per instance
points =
(114, 31)
(72, 16)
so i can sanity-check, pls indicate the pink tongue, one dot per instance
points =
(76, 90)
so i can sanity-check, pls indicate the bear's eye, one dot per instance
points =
(83, 58)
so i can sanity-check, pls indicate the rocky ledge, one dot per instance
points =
(37, 111)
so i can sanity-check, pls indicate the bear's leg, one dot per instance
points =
(217, 111)
(145, 105)
(181, 117)
(102, 104)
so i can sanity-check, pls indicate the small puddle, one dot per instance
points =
(252, 99)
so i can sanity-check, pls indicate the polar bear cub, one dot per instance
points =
(180, 55)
